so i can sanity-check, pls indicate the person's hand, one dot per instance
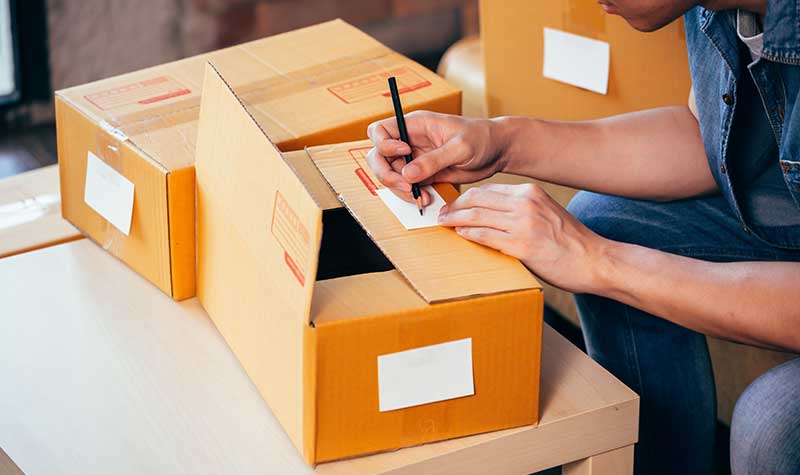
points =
(446, 148)
(523, 221)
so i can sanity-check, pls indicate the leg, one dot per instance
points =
(765, 430)
(666, 364)
(615, 462)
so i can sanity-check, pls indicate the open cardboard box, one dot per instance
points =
(315, 85)
(309, 294)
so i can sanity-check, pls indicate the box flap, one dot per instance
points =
(259, 234)
(437, 262)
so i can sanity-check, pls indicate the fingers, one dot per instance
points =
(453, 152)
(483, 197)
(408, 196)
(477, 217)
(382, 130)
(384, 172)
(489, 237)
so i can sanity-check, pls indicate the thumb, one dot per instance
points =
(453, 152)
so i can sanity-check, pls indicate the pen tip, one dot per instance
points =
(420, 212)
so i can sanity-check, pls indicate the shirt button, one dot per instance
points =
(727, 99)
(746, 229)
(722, 168)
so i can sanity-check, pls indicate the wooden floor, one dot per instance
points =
(27, 149)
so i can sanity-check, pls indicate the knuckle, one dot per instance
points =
(472, 193)
(472, 214)
(479, 234)
(420, 114)
(529, 189)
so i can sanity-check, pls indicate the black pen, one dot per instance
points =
(401, 126)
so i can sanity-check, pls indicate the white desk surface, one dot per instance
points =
(100, 373)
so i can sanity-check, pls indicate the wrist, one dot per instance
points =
(509, 134)
(501, 136)
(607, 267)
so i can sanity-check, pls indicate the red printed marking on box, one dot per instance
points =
(374, 85)
(293, 237)
(359, 155)
(144, 92)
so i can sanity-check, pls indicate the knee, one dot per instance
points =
(765, 438)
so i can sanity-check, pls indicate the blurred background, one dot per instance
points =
(47, 45)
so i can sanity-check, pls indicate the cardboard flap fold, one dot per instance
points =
(259, 234)
(436, 261)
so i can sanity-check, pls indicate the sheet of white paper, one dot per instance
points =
(109, 193)
(424, 375)
(576, 60)
(408, 214)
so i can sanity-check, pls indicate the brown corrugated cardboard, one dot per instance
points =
(646, 69)
(317, 85)
(30, 215)
(304, 296)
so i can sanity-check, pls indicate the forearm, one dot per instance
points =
(749, 302)
(654, 154)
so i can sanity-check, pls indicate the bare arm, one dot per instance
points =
(749, 302)
(654, 154)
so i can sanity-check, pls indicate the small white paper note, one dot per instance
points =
(408, 214)
(576, 60)
(424, 375)
(109, 193)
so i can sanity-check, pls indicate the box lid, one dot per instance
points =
(259, 232)
(437, 262)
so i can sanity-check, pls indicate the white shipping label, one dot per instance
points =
(576, 60)
(109, 193)
(424, 375)
(408, 213)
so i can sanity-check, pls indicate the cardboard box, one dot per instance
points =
(309, 294)
(30, 212)
(646, 69)
(316, 85)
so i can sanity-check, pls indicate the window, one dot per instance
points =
(9, 71)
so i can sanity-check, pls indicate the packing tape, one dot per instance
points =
(108, 145)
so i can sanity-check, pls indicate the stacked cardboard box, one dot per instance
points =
(135, 134)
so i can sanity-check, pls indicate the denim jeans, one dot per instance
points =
(668, 365)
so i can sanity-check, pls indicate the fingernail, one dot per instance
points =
(458, 230)
(401, 149)
(441, 217)
(405, 186)
(411, 171)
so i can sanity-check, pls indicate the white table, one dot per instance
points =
(100, 373)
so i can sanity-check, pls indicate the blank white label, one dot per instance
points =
(424, 375)
(576, 60)
(408, 213)
(109, 193)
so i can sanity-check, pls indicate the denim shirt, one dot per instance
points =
(742, 140)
